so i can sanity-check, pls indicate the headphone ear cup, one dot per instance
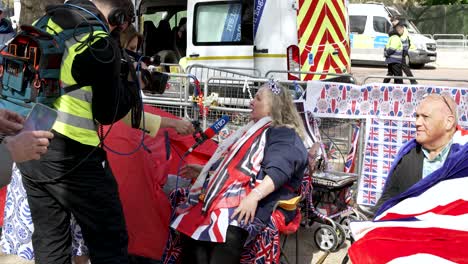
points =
(116, 17)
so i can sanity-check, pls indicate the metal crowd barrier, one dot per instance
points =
(335, 77)
(232, 96)
(450, 40)
(233, 100)
(204, 72)
(176, 99)
(364, 81)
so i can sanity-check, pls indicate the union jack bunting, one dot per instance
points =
(383, 143)
(375, 100)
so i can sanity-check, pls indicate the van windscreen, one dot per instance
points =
(357, 24)
(222, 23)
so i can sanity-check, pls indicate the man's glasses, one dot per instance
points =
(443, 98)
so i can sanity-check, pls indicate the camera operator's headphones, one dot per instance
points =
(119, 16)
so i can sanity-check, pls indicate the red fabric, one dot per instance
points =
(141, 176)
(3, 192)
(380, 247)
(291, 227)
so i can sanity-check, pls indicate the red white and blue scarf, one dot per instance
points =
(239, 157)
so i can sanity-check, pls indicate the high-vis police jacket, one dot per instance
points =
(394, 49)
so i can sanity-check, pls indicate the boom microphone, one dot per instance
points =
(210, 132)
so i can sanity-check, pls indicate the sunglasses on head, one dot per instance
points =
(443, 98)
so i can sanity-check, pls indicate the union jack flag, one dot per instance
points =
(351, 157)
(390, 151)
(374, 134)
(370, 181)
(172, 254)
(370, 197)
(372, 149)
(331, 151)
(391, 135)
(264, 249)
(370, 165)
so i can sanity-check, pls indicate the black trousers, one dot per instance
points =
(394, 69)
(90, 193)
(406, 69)
(203, 252)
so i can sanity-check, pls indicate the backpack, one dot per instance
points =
(30, 65)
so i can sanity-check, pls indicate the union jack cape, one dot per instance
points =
(240, 158)
(428, 223)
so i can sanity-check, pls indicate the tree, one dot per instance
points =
(443, 2)
(33, 9)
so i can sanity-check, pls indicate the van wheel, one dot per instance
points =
(417, 66)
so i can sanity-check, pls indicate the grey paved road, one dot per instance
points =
(360, 72)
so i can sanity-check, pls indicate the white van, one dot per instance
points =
(369, 27)
(265, 35)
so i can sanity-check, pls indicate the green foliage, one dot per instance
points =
(443, 2)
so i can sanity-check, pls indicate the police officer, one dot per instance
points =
(407, 45)
(394, 54)
(73, 176)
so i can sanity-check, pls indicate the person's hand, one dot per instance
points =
(190, 171)
(246, 209)
(28, 145)
(10, 122)
(183, 127)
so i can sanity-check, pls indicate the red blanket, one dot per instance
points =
(141, 176)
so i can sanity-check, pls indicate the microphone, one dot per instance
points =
(210, 132)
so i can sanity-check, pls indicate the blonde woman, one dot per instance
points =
(235, 192)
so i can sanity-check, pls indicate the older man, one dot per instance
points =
(436, 123)
(421, 217)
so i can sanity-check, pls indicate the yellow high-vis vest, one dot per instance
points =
(75, 117)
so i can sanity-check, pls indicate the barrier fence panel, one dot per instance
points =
(176, 99)
(336, 77)
(229, 96)
(233, 100)
(381, 77)
(204, 72)
(449, 40)
(337, 137)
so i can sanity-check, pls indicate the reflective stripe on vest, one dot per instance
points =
(75, 118)
(405, 44)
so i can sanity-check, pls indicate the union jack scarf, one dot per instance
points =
(226, 152)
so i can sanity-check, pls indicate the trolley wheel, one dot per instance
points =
(341, 235)
(344, 222)
(325, 238)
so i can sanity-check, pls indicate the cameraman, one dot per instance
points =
(73, 176)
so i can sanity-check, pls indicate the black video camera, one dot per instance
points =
(136, 57)
(155, 82)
